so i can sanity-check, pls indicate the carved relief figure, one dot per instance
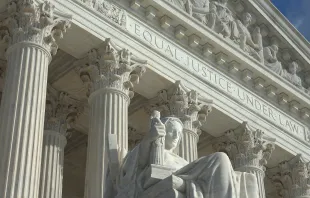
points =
(221, 19)
(113, 12)
(179, 3)
(208, 177)
(200, 10)
(253, 46)
(307, 81)
(271, 60)
(291, 75)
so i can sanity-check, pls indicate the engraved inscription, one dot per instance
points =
(213, 77)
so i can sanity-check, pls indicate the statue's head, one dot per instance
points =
(247, 18)
(293, 67)
(85, 77)
(274, 48)
(174, 130)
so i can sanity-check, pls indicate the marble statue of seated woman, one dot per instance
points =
(208, 177)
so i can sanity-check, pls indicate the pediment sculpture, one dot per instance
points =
(152, 169)
(291, 75)
(271, 60)
(217, 15)
(181, 4)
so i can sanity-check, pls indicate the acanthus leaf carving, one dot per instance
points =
(112, 68)
(246, 147)
(61, 112)
(291, 177)
(30, 22)
(183, 103)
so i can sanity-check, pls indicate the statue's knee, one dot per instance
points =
(222, 157)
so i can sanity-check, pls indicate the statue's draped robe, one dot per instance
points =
(293, 78)
(271, 61)
(179, 3)
(208, 177)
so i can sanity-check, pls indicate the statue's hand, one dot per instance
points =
(158, 130)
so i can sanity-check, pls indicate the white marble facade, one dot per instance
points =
(158, 99)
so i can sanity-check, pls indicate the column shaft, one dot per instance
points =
(52, 164)
(22, 119)
(188, 145)
(109, 115)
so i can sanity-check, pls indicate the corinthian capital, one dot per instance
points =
(61, 111)
(246, 147)
(183, 103)
(112, 68)
(28, 21)
(292, 178)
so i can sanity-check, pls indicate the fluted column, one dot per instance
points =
(112, 75)
(183, 103)
(188, 145)
(248, 150)
(291, 178)
(30, 35)
(52, 164)
(61, 111)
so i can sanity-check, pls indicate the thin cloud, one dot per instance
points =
(298, 13)
(298, 22)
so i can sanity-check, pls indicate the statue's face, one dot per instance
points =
(173, 134)
(247, 18)
(85, 78)
(293, 68)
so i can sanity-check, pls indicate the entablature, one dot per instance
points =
(262, 68)
(237, 81)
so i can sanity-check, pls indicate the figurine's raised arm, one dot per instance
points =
(157, 133)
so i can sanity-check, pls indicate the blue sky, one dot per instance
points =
(297, 12)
